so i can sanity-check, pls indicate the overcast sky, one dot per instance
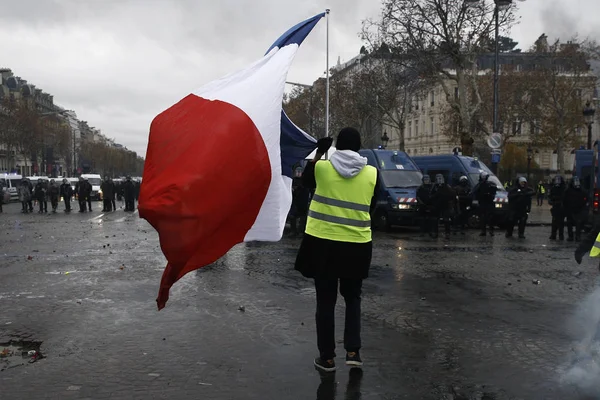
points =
(118, 63)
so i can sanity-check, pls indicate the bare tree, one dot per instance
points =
(558, 84)
(442, 38)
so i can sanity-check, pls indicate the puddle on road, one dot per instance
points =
(17, 353)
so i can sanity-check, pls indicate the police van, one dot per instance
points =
(399, 179)
(452, 167)
(95, 180)
(10, 183)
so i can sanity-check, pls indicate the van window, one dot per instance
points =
(15, 182)
(445, 173)
(401, 179)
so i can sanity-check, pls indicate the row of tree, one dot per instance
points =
(45, 138)
(419, 45)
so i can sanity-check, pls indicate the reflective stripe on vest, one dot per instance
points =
(340, 207)
(595, 252)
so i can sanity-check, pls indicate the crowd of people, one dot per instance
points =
(48, 190)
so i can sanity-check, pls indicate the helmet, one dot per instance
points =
(128, 178)
(80, 179)
(426, 180)
(558, 180)
(52, 181)
(439, 179)
(65, 180)
(576, 182)
(483, 176)
(463, 179)
(522, 181)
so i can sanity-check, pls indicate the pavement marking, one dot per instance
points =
(99, 216)
(74, 388)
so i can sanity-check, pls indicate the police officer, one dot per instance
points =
(519, 207)
(337, 247)
(425, 205)
(41, 195)
(485, 193)
(81, 192)
(557, 194)
(129, 191)
(465, 201)
(575, 203)
(590, 243)
(66, 191)
(54, 194)
(444, 203)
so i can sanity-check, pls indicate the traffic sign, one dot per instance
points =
(495, 140)
(496, 151)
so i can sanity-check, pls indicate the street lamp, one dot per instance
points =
(529, 157)
(384, 140)
(588, 115)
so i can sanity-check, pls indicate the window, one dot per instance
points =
(424, 129)
(416, 128)
(534, 127)
(432, 98)
(430, 150)
(554, 160)
(432, 126)
(578, 93)
(416, 152)
(409, 130)
(456, 93)
(416, 102)
(516, 128)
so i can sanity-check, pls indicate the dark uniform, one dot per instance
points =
(299, 209)
(485, 193)
(81, 192)
(66, 191)
(41, 195)
(519, 207)
(444, 201)
(425, 205)
(54, 194)
(575, 204)
(129, 192)
(557, 194)
(464, 203)
(108, 192)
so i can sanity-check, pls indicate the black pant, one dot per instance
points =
(114, 205)
(107, 205)
(327, 289)
(486, 213)
(54, 203)
(558, 222)
(67, 203)
(129, 204)
(30, 203)
(43, 205)
(517, 218)
(89, 202)
(81, 204)
(575, 219)
(540, 199)
(25, 206)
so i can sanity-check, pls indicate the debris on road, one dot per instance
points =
(29, 258)
(536, 282)
(242, 309)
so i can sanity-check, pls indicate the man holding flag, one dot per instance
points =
(337, 244)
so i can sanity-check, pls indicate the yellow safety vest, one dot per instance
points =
(595, 252)
(340, 207)
(542, 189)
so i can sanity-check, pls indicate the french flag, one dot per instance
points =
(218, 168)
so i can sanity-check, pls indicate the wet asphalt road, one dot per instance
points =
(453, 318)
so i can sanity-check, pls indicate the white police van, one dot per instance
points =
(10, 183)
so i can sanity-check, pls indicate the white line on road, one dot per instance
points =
(99, 216)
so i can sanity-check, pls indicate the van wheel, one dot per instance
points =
(382, 222)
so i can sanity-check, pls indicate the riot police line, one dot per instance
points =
(49, 190)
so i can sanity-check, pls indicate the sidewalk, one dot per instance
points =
(539, 215)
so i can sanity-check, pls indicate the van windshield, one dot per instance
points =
(95, 181)
(401, 179)
(15, 182)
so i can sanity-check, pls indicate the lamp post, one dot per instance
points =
(384, 140)
(499, 5)
(529, 157)
(588, 115)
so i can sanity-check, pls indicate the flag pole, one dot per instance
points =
(327, 81)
